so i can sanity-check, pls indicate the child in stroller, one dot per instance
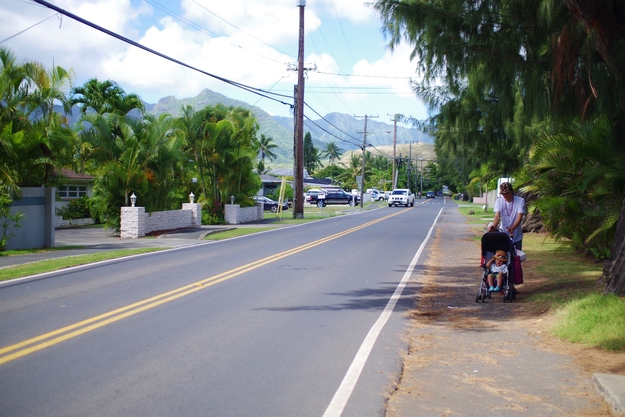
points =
(498, 268)
(494, 243)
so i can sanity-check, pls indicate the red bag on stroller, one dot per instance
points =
(518, 270)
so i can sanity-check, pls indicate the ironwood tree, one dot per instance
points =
(502, 73)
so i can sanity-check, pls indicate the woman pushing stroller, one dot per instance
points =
(509, 211)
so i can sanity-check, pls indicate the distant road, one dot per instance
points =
(300, 321)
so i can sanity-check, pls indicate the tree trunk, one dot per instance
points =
(614, 268)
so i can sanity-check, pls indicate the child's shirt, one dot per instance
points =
(499, 269)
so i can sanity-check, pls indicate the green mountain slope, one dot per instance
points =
(340, 128)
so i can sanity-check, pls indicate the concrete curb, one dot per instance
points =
(612, 387)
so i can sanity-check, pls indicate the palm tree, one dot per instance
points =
(332, 152)
(581, 184)
(265, 146)
(36, 139)
(105, 97)
(348, 178)
(221, 142)
(380, 177)
(133, 155)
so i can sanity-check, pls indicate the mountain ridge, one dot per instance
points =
(344, 128)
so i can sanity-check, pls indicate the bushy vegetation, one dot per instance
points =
(531, 90)
(126, 150)
(76, 209)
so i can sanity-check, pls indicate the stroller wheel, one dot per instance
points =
(477, 298)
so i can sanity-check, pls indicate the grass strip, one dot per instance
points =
(562, 274)
(49, 265)
(15, 252)
(227, 234)
(595, 320)
(568, 286)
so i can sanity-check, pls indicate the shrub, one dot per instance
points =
(76, 209)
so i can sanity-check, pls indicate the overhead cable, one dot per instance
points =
(152, 51)
(328, 122)
(330, 133)
(239, 29)
(28, 28)
(365, 76)
(253, 90)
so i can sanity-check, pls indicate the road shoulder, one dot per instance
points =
(469, 358)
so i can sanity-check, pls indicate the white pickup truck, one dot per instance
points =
(401, 196)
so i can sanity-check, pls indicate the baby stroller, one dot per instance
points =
(492, 242)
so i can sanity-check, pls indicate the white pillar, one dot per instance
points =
(231, 214)
(196, 210)
(132, 222)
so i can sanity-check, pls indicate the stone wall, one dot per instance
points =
(235, 214)
(135, 222)
(167, 220)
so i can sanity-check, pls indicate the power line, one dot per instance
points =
(328, 122)
(365, 76)
(199, 28)
(330, 133)
(250, 89)
(181, 18)
(253, 90)
(348, 48)
(28, 28)
(241, 30)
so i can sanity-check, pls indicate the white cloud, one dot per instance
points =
(256, 54)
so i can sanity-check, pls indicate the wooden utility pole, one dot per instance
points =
(364, 147)
(298, 171)
(393, 179)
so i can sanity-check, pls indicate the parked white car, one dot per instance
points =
(377, 195)
(401, 196)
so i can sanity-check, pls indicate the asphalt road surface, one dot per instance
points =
(300, 321)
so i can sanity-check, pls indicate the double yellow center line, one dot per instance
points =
(52, 338)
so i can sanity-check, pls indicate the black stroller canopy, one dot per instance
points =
(494, 241)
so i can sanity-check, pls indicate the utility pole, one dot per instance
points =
(364, 146)
(394, 180)
(421, 177)
(409, 170)
(298, 168)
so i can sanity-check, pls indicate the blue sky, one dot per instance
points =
(248, 41)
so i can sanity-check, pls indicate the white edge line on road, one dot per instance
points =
(345, 390)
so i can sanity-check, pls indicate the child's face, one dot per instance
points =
(498, 261)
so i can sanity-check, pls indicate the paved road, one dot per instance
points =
(443, 385)
(301, 321)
